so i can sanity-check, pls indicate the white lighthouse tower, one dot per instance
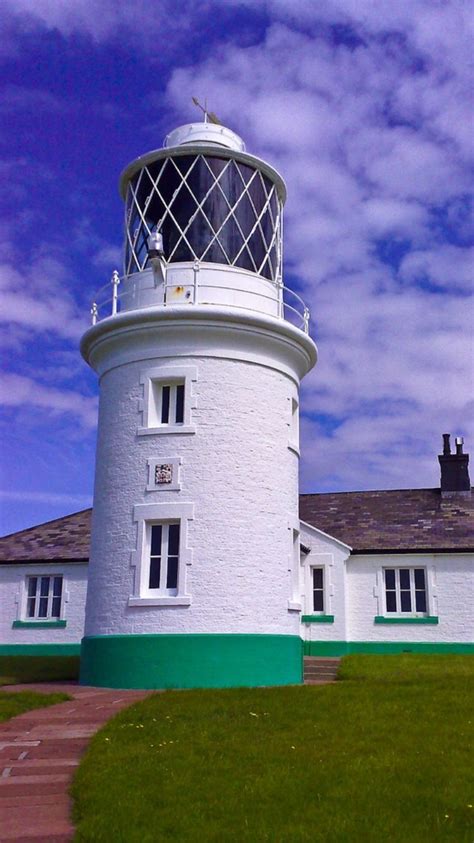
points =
(200, 351)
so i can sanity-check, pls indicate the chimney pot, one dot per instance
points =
(446, 444)
(459, 443)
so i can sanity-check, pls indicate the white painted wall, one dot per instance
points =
(12, 580)
(237, 469)
(332, 555)
(450, 594)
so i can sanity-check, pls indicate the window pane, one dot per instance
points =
(318, 601)
(420, 598)
(389, 578)
(391, 601)
(420, 578)
(317, 577)
(172, 575)
(405, 578)
(57, 586)
(155, 569)
(405, 598)
(43, 607)
(180, 403)
(165, 404)
(32, 584)
(173, 540)
(44, 586)
(56, 607)
(31, 607)
(155, 540)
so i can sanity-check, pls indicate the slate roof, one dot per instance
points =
(66, 538)
(370, 522)
(402, 520)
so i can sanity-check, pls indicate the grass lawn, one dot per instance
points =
(13, 704)
(384, 755)
(18, 669)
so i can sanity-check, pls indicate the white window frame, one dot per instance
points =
(36, 618)
(323, 590)
(294, 565)
(175, 484)
(325, 561)
(146, 516)
(153, 380)
(294, 424)
(413, 613)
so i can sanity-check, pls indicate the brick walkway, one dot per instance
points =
(39, 751)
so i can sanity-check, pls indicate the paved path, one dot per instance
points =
(39, 752)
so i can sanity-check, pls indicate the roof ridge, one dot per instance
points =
(45, 523)
(369, 491)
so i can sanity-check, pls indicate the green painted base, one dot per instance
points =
(343, 648)
(40, 649)
(191, 661)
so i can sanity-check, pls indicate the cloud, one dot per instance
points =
(103, 20)
(25, 393)
(376, 177)
(36, 298)
(46, 497)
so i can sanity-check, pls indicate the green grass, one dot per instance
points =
(20, 669)
(12, 704)
(383, 755)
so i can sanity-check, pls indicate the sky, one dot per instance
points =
(364, 108)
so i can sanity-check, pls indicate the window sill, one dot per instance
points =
(169, 428)
(160, 601)
(432, 619)
(317, 619)
(41, 624)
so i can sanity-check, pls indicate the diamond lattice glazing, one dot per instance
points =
(208, 209)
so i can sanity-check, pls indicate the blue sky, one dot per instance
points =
(366, 110)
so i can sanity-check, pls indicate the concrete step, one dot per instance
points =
(317, 670)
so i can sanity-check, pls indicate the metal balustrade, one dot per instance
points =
(144, 290)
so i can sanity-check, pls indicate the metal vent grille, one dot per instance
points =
(207, 209)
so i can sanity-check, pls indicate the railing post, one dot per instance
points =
(94, 313)
(281, 302)
(306, 315)
(196, 286)
(115, 282)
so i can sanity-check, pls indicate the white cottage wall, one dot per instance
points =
(12, 586)
(450, 581)
(331, 555)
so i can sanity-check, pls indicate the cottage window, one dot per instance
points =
(405, 591)
(318, 589)
(44, 597)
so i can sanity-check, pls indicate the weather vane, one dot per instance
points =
(209, 116)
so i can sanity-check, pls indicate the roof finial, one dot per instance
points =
(209, 116)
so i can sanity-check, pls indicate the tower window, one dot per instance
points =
(162, 554)
(168, 400)
(164, 558)
(43, 597)
(171, 401)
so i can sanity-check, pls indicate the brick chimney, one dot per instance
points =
(454, 469)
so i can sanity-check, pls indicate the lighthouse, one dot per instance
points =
(199, 349)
